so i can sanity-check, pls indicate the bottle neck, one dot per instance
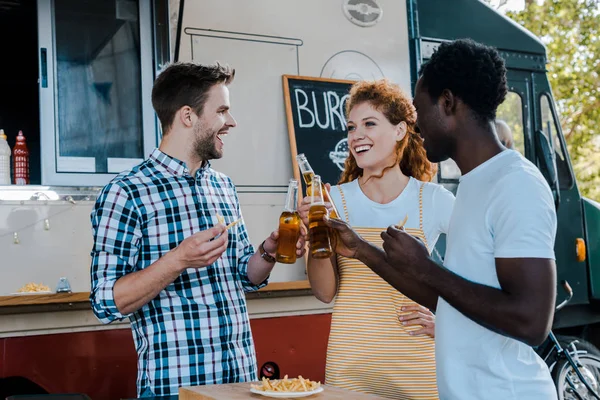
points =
(317, 192)
(291, 198)
(306, 171)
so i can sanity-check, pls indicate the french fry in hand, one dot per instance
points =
(221, 220)
(233, 223)
(401, 224)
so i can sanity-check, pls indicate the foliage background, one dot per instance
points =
(570, 31)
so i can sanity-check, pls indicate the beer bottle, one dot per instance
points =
(319, 233)
(308, 175)
(289, 226)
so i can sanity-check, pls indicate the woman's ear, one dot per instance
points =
(401, 130)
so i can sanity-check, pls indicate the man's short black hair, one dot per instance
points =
(473, 72)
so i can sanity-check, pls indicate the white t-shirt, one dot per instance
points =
(366, 213)
(504, 209)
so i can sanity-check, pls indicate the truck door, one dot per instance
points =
(529, 108)
(569, 211)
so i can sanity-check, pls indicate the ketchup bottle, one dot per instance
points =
(20, 158)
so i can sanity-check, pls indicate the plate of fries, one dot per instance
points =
(33, 288)
(286, 388)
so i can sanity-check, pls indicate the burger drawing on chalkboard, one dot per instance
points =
(340, 153)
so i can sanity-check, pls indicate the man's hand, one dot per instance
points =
(199, 250)
(347, 241)
(404, 252)
(270, 245)
(419, 316)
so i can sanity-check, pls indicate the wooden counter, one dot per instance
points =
(241, 391)
(11, 304)
(46, 298)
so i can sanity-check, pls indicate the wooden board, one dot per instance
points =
(241, 391)
(48, 298)
(290, 285)
(84, 297)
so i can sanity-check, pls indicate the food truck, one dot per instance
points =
(77, 78)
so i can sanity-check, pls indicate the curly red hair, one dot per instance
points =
(390, 100)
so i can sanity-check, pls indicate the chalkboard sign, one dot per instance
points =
(315, 109)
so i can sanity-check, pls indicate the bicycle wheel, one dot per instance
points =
(590, 370)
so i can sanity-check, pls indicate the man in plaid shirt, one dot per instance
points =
(162, 258)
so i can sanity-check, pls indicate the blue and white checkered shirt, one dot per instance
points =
(197, 330)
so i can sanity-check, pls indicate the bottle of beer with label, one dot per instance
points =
(289, 226)
(308, 175)
(319, 233)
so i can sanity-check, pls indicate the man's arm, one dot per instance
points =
(521, 309)
(117, 291)
(136, 289)
(522, 222)
(253, 270)
(259, 269)
(375, 259)
(117, 235)
(350, 244)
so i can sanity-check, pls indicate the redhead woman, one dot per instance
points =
(381, 342)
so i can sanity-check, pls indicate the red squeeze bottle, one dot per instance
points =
(20, 158)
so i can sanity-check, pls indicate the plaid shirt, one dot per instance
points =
(197, 330)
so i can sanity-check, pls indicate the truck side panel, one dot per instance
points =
(103, 364)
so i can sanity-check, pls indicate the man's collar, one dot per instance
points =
(172, 165)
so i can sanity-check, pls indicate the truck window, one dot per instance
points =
(552, 132)
(99, 73)
(511, 112)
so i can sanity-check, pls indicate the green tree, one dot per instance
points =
(570, 31)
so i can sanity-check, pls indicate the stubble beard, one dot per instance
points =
(204, 146)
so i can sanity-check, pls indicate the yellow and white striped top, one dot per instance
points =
(369, 349)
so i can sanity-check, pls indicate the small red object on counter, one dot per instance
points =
(20, 158)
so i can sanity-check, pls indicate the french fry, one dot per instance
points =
(303, 383)
(233, 223)
(286, 384)
(221, 220)
(33, 287)
(401, 224)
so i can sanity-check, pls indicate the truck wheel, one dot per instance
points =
(589, 366)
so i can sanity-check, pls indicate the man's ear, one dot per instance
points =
(448, 102)
(186, 116)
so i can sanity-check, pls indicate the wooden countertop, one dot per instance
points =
(46, 298)
(80, 300)
(241, 391)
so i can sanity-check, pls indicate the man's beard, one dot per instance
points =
(204, 145)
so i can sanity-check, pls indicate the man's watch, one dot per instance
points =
(264, 255)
